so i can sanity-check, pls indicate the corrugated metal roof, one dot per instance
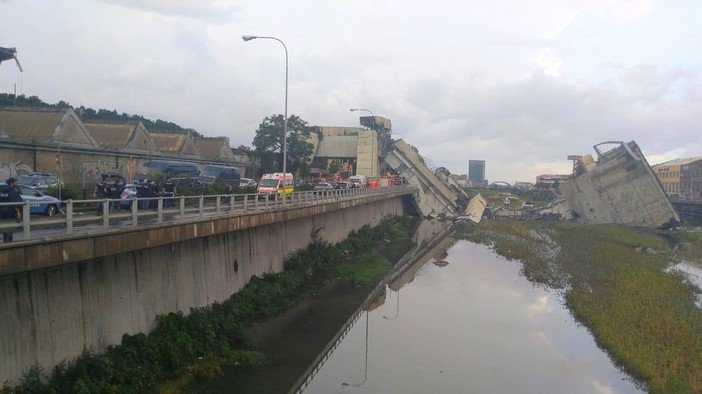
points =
(25, 125)
(111, 135)
(168, 142)
(141, 140)
(176, 142)
(215, 148)
(44, 125)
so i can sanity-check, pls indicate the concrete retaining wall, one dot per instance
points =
(54, 313)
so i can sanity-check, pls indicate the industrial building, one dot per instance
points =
(681, 178)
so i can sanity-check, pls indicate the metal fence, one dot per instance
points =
(84, 216)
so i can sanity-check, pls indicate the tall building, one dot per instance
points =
(476, 172)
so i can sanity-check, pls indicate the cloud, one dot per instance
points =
(619, 10)
(602, 388)
(537, 122)
(520, 85)
(212, 11)
(539, 307)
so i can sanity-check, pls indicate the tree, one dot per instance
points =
(269, 139)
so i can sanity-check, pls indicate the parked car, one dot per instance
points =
(244, 182)
(528, 206)
(39, 203)
(322, 186)
(39, 180)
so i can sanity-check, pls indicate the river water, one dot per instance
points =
(466, 321)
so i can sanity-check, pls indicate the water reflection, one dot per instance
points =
(365, 371)
(397, 311)
(475, 325)
(690, 257)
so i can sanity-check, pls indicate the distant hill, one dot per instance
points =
(105, 115)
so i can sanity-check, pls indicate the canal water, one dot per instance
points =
(466, 321)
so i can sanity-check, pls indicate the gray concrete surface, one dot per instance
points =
(102, 287)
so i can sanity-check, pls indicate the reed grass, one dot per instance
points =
(615, 281)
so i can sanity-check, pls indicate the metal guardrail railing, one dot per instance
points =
(83, 216)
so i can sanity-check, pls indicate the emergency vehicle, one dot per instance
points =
(277, 183)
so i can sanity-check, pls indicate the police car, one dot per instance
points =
(39, 203)
(39, 180)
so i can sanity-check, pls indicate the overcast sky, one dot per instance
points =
(520, 84)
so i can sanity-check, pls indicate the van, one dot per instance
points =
(219, 174)
(167, 169)
(247, 182)
(274, 184)
(358, 181)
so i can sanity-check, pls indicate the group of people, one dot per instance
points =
(107, 189)
(146, 193)
(150, 189)
(9, 193)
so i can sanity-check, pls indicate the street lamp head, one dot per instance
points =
(248, 38)
(362, 109)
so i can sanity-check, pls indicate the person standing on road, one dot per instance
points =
(168, 191)
(153, 191)
(99, 193)
(9, 193)
(142, 189)
(227, 193)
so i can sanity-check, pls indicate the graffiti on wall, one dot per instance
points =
(13, 169)
(93, 170)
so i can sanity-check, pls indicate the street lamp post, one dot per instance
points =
(376, 134)
(285, 127)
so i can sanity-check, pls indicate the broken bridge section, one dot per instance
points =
(619, 187)
(434, 197)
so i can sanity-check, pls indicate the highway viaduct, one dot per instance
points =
(65, 294)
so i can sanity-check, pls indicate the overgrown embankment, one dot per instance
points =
(199, 343)
(615, 281)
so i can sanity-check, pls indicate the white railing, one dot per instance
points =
(82, 216)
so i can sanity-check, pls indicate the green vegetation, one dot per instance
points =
(616, 282)
(365, 270)
(195, 346)
(67, 193)
(269, 138)
(10, 100)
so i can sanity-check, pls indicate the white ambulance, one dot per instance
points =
(358, 181)
(276, 183)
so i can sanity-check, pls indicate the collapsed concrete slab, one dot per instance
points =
(476, 208)
(619, 187)
(434, 197)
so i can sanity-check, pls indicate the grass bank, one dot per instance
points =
(615, 281)
(197, 345)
